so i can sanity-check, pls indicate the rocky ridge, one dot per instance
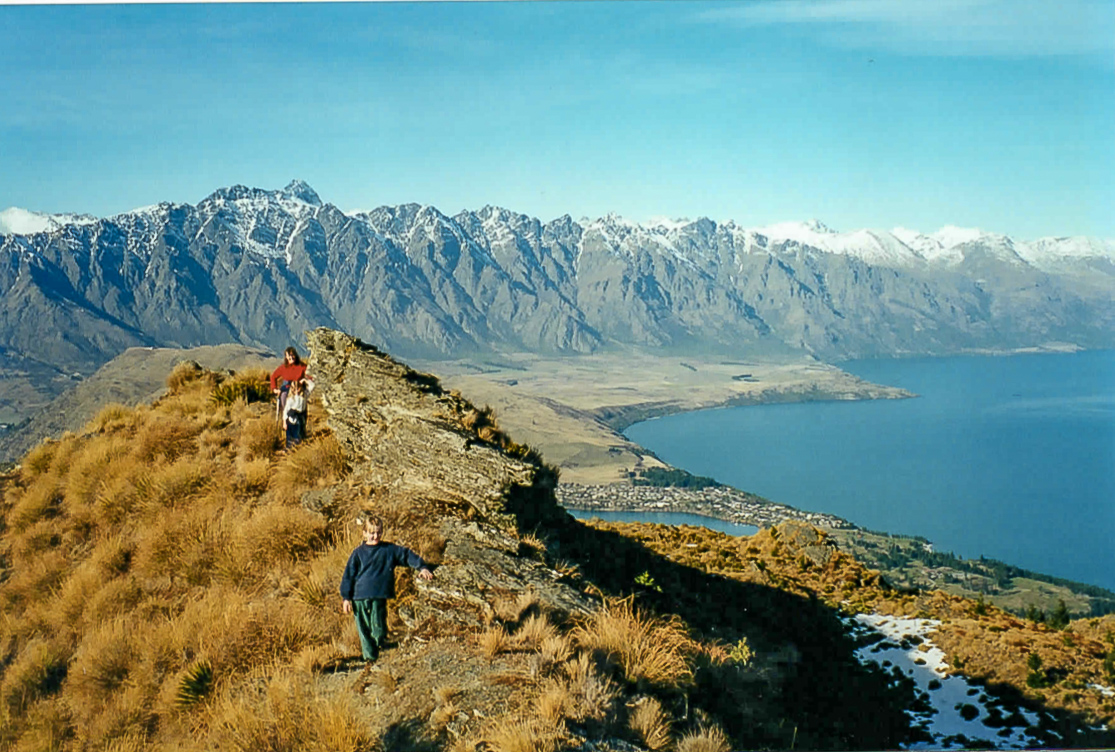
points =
(404, 436)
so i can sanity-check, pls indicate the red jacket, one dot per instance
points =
(287, 372)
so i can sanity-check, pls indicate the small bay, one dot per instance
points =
(1009, 457)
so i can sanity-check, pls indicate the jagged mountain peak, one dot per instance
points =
(301, 190)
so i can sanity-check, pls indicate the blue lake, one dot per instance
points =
(1012, 458)
(668, 518)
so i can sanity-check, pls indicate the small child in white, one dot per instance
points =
(294, 413)
(369, 580)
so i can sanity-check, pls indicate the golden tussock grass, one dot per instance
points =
(287, 715)
(158, 543)
(33, 540)
(594, 695)
(38, 460)
(33, 581)
(35, 673)
(554, 703)
(512, 609)
(188, 374)
(47, 728)
(705, 739)
(554, 650)
(113, 417)
(252, 476)
(494, 641)
(166, 436)
(177, 484)
(89, 468)
(651, 723)
(533, 631)
(277, 533)
(445, 705)
(649, 649)
(259, 437)
(180, 547)
(29, 505)
(521, 735)
(316, 463)
(101, 665)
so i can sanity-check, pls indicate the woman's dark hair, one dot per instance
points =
(293, 352)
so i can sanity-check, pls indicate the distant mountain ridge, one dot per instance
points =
(259, 267)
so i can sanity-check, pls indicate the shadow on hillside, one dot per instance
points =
(810, 691)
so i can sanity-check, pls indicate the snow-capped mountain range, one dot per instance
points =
(899, 247)
(261, 266)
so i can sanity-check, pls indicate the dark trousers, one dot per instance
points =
(371, 625)
(295, 428)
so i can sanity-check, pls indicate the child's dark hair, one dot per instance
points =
(294, 354)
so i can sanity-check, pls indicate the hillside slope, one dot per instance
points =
(170, 581)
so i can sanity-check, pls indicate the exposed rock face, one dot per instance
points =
(409, 445)
(260, 267)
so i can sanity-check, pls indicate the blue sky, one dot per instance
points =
(997, 114)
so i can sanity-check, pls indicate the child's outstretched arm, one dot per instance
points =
(414, 561)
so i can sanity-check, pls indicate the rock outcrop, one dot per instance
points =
(414, 446)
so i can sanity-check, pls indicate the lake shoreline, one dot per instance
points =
(717, 502)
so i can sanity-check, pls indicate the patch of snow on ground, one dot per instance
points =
(1105, 691)
(957, 710)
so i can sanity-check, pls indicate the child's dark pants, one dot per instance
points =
(371, 625)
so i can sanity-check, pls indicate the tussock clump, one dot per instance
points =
(651, 723)
(705, 739)
(648, 649)
(32, 581)
(320, 462)
(36, 673)
(186, 373)
(287, 715)
(521, 735)
(42, 499)
(103, 662)
(165, 436)
(246, 387)
(90, 466)
(176, 485)
(533, 632)
(594, 696)
(259, 438)
(555, 703)
(277, 533)
(475, 419)
(113, 417)
(38, 460)
(494, 641)
(554, 650)
(513, 610)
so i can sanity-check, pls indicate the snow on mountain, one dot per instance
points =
(873, 246)
(266, 221)
(1053, 254)
(16, 221)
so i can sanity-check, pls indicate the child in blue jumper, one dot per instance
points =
(369, 580)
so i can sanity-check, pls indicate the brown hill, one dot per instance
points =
(138, 375)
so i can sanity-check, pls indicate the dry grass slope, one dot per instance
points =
(159, 540)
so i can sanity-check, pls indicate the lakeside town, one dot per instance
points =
(718, 502)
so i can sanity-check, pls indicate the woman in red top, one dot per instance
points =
(292, 369)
